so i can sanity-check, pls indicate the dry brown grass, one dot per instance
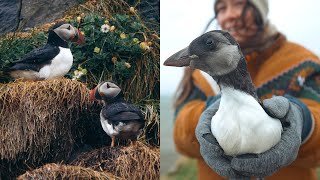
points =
(41, 122)
(37, 118)
(105, 8)
(137, 161)
(151, 133)
(58, 171)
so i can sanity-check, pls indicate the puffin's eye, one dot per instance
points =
(108, 86)
(69, 27)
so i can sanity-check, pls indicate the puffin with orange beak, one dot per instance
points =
(119, 119)
(52, 60)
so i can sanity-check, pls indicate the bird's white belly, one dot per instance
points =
(60, 65)
(242, 126)
(109, 129)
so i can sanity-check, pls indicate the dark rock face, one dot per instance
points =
(29, 13)
(34, 12)
(149, 11)
(9, 15)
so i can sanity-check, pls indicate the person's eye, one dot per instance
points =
(240, 3)
(221, 7)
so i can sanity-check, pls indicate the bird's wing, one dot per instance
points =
(123, 111)
(40, 55)
(124, 116)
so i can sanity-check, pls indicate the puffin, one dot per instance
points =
(51, 61)
(241, 125)
(119, 119)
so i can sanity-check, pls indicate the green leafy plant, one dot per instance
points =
(112, 46)
(119, 48)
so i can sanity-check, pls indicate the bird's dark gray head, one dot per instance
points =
(215, 52)
(218, 54)
(107, 91)
(67, 33)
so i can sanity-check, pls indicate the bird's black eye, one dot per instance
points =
(69, 27)
(209, 42)
(108, 86)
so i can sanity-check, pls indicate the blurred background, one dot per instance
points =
(181, 22)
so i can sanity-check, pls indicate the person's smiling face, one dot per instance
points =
(231, 18)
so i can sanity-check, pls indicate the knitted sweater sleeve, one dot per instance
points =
(184, 129)
(294, 70)
(309, 154)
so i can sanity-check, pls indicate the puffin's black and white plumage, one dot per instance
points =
(52, 60)
(240, 125)
(119, 119)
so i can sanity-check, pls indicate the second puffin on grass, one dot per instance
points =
(119, 119)
(52, 60)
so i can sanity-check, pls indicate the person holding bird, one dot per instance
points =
(286, 77)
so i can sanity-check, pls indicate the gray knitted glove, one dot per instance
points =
(293, 117)
(210, 150)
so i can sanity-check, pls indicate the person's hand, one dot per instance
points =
(285, 152)
(210, 149)
(293, 117)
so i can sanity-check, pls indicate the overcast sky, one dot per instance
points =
(184, 20)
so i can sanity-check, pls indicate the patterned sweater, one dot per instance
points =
(283, 68)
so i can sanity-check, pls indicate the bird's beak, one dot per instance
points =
(92, 94)
(78, 37)
(181, 58)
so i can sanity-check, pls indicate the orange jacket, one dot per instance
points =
(284, 68)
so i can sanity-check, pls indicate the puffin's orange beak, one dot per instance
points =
(78, 38)
(92, 96)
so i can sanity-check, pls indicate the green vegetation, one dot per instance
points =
(119, 48)
(186, 169)
(113, 46)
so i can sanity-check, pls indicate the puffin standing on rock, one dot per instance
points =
(241, 125)
(52, 60)
(119, 119)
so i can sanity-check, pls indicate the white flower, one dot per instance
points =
(105, 28)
